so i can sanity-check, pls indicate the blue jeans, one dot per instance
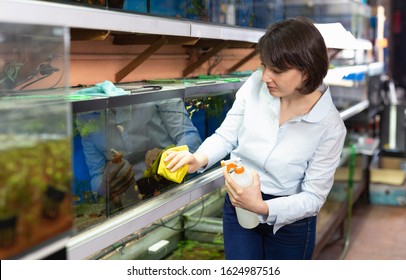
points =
(295, 241)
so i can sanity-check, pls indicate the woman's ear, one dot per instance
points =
(305, 76)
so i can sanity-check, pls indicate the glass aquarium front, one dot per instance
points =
(32, 58)
(35, 155)
(353, 15)
(119, 150)
(35, 178)
(244, 13)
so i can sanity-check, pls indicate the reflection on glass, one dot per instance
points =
(89, 208)
(144, 131)
(121, 146)
(116, 151)
(29, 62)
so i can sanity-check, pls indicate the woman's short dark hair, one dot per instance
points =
(296, 43)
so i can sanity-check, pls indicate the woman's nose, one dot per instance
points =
(267, 75)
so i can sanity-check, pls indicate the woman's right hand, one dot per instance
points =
(176, 160)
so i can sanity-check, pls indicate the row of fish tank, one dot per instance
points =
(74, 170)
(73, 158)
(116, 150)
(243, 13)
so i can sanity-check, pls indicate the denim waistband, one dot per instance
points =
(270, 196)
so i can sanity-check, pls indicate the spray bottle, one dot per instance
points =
(244, 178)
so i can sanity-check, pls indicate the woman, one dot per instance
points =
(286, 129)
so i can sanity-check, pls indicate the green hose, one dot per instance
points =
(351, 166)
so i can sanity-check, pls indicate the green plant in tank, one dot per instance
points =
(199, 8)
(11, 196)
(213, 106)
(16, 166)
(84, 127)
(218, 239)
(8, 76)
(27, 171)
(195, 250)
(58, 164)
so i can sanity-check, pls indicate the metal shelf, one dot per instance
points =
(72, 16)
(215, 87)
(212, 31)
(354, 110)
(55, 14)
(150, 96)
(47, 248)
(92, 104)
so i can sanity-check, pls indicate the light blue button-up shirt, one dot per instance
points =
(296, 160)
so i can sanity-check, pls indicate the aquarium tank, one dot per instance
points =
(119, 141)
(242, 13)
(35, 132)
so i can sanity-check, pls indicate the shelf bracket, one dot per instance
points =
(243, 61)
(140, 58)
(217, 48)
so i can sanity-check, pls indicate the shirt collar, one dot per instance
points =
(316, 114)
(322, 107)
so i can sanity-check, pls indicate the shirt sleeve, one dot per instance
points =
(225, 138)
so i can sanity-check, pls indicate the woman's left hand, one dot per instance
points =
(248, 198)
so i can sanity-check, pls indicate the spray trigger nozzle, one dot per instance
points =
(233, 165)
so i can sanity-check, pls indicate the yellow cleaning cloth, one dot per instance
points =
(179, 174)
(153, 170)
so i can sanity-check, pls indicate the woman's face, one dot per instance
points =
(282, 83)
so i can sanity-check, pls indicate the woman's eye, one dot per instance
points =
(272, 69)
(276, 69)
